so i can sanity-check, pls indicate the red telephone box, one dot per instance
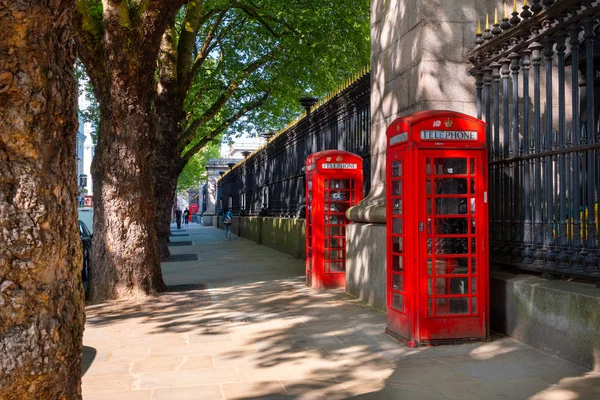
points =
(437, 229)
(334, 183)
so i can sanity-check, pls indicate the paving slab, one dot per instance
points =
(241, 324)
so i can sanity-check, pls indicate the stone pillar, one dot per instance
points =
(214, 167)
(418, 62)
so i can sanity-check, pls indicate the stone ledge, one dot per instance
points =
(557, 317)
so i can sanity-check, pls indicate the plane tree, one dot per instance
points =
(228, 67)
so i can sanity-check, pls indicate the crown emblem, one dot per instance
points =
(339, 158)
(328, 159)
(398, 128)
(448, 123)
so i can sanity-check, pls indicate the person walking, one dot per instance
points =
(227, 220)
(186, 216)
(178, 218)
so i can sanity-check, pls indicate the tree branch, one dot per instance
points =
(218, 130)
(192, 22)
(188, 135)
(202, 54)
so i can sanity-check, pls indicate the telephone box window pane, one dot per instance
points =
(447, 266)
(397, 282)
(338, 196)
(447, 166)
(452, 306)
(397, 225)
(451, 246)
(473, 265)
(429, 264)
(397, 302)
(428, 166)
(472, 186)
(396, 168)
(428, 245)
(473, 285)
(397, 263)
(428, 205)
(336, 255)
(428, 187)
(397, 207)
(397, 188)
(474, 305)
(429, 307)
(339, 184)
(337, 266)
(451, 226)
(451, 186)
(429, 286)
(310, 185)
(452, 286)
(397, 244)
(333, 219)
(472, 162)
(473, 225)
(473, 246)
(472, 201)
(451, 206)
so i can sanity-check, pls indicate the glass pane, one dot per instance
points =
(452, 286)
(451, 206)
(451, 246)
(472, 201)
(473, 246)
(428, 245)
(473, 285)
(333, 219)
(472, 162)
(336, 266)
(473, 265)
(451, 226)
(473, 225)
(397, 188)
(444, 266)
(452, 306)
(450, 166)
(397, 282)
(474, 305)
(428, 205)
(339, 184)
(397, 225)
(335, 255)
(451, 186)
(428, 166)
(397, 206)
(472, 186)
(428, 186)
(429, 263)
(429, 286)
(397, 301)
(396, 168)
(336, 231)
(310, 185)
(429, 307)
(397, 244)
(397, 263)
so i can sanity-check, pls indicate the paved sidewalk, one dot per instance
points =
(257, 332)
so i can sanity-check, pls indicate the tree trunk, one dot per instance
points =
(125, 259)
(121, 60)
(41, 296)
(170, 117)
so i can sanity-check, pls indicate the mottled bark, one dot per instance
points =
(41, 296)
(121, 60)
(170, 117)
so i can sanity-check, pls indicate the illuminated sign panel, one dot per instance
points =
(448, 135)
(339, 166)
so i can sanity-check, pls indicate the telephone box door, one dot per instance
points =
(452, 253)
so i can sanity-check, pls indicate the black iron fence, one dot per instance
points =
(271, 180)
(543, 135)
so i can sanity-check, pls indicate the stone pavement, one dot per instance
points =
(256, 332)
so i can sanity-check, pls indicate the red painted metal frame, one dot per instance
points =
(422, 147)
(325, 213)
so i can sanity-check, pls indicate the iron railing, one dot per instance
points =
(271, 180)
(543, 136)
